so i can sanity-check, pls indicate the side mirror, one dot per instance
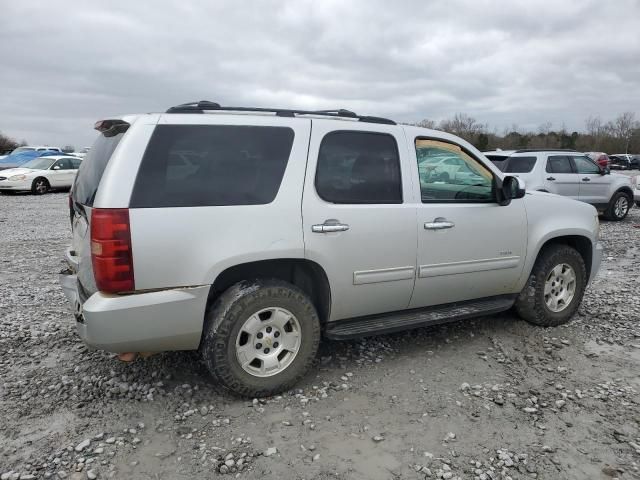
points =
(509, 189)
(56, 167)
(605, 171)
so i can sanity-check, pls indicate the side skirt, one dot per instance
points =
(418, 317)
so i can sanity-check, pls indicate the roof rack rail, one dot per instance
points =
(524, 150)
(205, 105)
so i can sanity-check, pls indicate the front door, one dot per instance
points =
(560, 177)
(594, 186)
(358, 220)
(469, 247)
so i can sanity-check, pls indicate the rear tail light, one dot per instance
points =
(111, 253)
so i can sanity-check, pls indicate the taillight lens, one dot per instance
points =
(111, 252)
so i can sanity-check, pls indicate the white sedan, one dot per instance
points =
(41, 175)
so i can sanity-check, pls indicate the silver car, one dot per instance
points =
(249, 233)
(571, 174)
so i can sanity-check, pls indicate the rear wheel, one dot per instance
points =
(40, 186)
(555, 287)
(618, 207)
(260, 337)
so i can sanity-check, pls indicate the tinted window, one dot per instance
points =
(93, 165)
(559, 164)
(359, 167)
(585, 165)
(75, 162)
(206, 165)
(449, 174)
(519, 165)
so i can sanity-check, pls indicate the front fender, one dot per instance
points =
(553, 217)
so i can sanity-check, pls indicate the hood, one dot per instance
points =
(15, 171)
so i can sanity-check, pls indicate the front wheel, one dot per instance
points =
(555, 287)
(260, 337)
(618, 207)
(40, 186)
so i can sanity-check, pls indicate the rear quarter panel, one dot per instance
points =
(188, 246)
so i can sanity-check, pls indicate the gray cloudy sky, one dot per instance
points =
(66, 64)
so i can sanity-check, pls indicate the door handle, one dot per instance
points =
(586, 179)
(439, 223)
(329, 226)
(551, 178)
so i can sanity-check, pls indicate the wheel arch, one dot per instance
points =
(580, 243)
(307, 275)
(626, 190)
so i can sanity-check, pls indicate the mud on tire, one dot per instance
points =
(222, 329)
(531, 304)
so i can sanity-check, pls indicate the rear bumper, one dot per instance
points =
(596, 259)
(143, 322)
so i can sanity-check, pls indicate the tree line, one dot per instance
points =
(620, 135)
(8, 143)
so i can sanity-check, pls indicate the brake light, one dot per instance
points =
(111, 253)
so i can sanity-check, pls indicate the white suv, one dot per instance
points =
(571, 174)
(248, 233)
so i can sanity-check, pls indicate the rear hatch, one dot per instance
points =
(83, 194)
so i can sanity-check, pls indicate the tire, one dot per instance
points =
(40, 186)
(235, 313)
(531, 305)
(619, 207)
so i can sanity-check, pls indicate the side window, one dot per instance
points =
(520, 164)
(448, 174)
(75, 163)
(585, 164)
(359, 168)
(559, 164)
(208, 165)
(63, 164)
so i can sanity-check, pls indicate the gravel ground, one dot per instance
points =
(493, 398)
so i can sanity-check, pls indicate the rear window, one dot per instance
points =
(210, 165)
(92, 167)
(519, 165)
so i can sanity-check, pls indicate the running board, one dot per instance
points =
(422, 317)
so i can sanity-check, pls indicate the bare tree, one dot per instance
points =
(623, 127)
(464, 126)
(426, 123)
(7, 143)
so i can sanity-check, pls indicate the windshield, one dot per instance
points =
(23, 149)
(39, 163)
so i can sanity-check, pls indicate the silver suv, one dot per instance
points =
(571, 174)
(249, 233)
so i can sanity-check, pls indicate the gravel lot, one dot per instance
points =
(493, 398)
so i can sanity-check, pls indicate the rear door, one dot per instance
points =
(560, 177)
(358, 217)
(594, 186)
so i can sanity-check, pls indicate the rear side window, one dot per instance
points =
(359, 168)
(559, 164)
(519, 164)
(93, 165)
(208, 165)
